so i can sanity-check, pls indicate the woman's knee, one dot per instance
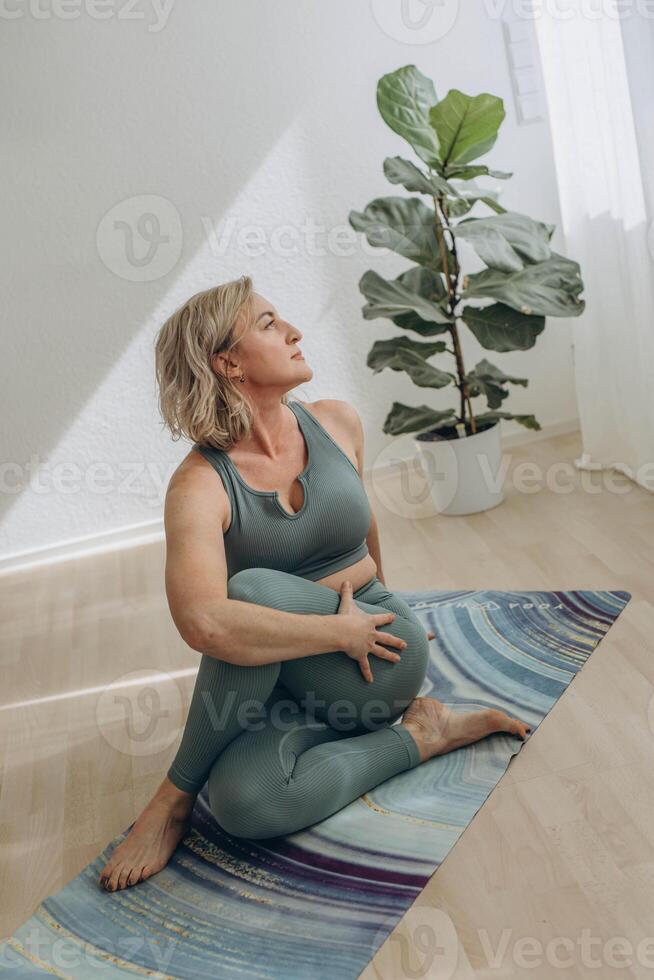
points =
(409, 672)
(239, 801)
(410, 629)
(250, 584)
(418, 642)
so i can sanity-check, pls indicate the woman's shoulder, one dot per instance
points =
(335, 410)
(342, 424)
(195, 482)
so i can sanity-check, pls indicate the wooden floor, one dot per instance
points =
(561, 853)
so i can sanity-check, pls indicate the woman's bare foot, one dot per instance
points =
(151, 841)
(438, 730)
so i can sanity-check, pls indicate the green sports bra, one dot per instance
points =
(327, 533)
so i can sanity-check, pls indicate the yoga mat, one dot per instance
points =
(320, 902)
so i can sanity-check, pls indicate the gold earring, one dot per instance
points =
(242, 378)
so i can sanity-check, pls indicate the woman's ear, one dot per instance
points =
(219, 364)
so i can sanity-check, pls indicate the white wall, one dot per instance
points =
(236, 115)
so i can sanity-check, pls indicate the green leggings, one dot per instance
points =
(283, 745)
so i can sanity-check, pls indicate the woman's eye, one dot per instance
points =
(270, 323)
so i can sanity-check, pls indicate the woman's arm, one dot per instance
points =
(208, 620)
(374, 548)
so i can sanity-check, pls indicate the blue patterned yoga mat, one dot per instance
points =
(320, 902)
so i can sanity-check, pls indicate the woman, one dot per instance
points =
(273, 573)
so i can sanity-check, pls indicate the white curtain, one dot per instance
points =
(598, 67)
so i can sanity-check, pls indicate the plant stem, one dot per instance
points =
(452, 283)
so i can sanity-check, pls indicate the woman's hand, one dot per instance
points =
(362, 636)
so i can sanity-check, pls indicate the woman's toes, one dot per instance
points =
(123, 876)
(518, 727)
(134, 876)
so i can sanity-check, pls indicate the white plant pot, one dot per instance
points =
(463, 473)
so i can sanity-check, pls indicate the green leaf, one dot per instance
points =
(476, 170)
(403, 224)
(501, 328)
(400, 171)
(506, 241)
(383, 352)
(492, 202)
(487, 379)
(422, 373)
(391, 298)
(404, 98)
(485, 369)
(405, 418)
(549, 288)
(430, 285)
(529, 421)
(466, 125)
(468, 196)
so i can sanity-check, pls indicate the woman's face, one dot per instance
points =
(265, 350)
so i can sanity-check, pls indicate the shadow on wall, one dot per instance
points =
(138, 134)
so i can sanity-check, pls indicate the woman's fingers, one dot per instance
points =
(385, 617)
(365, 668)
(393, 641)
(386, 654)
(346, 596)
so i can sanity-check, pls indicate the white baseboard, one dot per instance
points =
(150, 531)
(547, 432)
(92, 544)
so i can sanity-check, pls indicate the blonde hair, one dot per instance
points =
(194, 400)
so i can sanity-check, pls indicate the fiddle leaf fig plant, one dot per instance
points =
(524, 278)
